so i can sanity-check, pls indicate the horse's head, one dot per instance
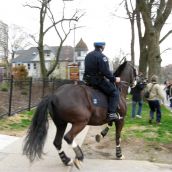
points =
(127, 72)
(133, 76)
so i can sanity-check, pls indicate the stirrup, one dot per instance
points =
(114, 117)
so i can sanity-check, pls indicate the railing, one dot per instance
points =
(20, 95)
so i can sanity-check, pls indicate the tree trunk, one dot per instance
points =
(41, 41)
(132, 42)
(154, 58)
(143, 61)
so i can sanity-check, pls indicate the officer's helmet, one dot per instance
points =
(99, 44)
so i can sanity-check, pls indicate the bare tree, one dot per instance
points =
(18, 39)
(150, 16)
(131, 12)
(45, 13)
(154, 15)
(131, 15)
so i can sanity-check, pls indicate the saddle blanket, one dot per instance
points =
(99, 98)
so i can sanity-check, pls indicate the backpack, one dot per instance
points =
(147, 93)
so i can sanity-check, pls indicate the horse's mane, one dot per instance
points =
(120, 69)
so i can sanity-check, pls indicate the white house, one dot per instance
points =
(81, 50)
(30, 58)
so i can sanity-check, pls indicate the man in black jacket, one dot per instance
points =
(98, 74)
(137, 98)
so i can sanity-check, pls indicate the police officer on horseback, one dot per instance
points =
(98, 75)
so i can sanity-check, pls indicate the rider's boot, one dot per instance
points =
(113, 117)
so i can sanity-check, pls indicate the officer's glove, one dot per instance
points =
(118, 79)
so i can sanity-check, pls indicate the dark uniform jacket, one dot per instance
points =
(97, 65)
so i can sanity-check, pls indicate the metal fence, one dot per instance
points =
(19, 95)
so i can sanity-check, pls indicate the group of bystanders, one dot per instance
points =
(155, 99)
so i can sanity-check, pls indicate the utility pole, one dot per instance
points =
(74, 57)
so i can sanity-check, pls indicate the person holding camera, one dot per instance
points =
(137, 98)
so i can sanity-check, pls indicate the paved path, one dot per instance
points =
(12, 160)
(99, 165)
(6, 140)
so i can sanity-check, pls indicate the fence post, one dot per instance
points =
(53, 86)
(10, 96)
(30, 93)
(43, 87)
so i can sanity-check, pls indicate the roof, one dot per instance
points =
(27, 56)
(81, 46)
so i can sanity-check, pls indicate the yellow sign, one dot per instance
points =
(74, 72)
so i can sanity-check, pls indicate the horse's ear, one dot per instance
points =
(123, 59)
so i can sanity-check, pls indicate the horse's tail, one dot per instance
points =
(37, 132)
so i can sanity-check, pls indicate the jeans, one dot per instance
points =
(139, 111)
(154, 106)
(171, 102)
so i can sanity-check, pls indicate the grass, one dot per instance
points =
(17, 124)
(141, 129)
(133, 128)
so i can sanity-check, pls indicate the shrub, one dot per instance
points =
(19, 72)
(4, 86)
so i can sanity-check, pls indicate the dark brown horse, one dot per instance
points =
(73, 104)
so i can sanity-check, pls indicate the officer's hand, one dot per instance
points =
(118, 79)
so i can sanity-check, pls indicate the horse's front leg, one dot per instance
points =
(119, 125)
(104, 132)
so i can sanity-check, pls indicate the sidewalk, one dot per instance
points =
(12, 160)
(99, 165)
(6, 140)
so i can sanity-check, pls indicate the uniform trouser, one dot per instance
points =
(113, 95)
(155, 106)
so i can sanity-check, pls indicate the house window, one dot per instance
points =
(28, 66)
(34, 65)
(79, 53)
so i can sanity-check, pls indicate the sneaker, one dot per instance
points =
(158, 123)
(113, 117)
(138, 116)
(150, 121)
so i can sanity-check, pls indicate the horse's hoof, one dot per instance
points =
(77, 163)
(70, 163)
(121, 157)
(98, 138)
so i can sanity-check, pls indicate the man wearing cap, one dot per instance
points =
(98, 74)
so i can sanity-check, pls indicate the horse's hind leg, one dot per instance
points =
(69, 137)
(58, 143)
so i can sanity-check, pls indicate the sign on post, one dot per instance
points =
(73, 72)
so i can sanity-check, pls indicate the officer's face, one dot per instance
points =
(103, 47)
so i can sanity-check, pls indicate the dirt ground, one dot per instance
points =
(133, 149)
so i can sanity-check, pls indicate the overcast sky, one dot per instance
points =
(99, 25)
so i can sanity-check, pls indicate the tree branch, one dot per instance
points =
(161, 19)
(164, 37)
(145, 13)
